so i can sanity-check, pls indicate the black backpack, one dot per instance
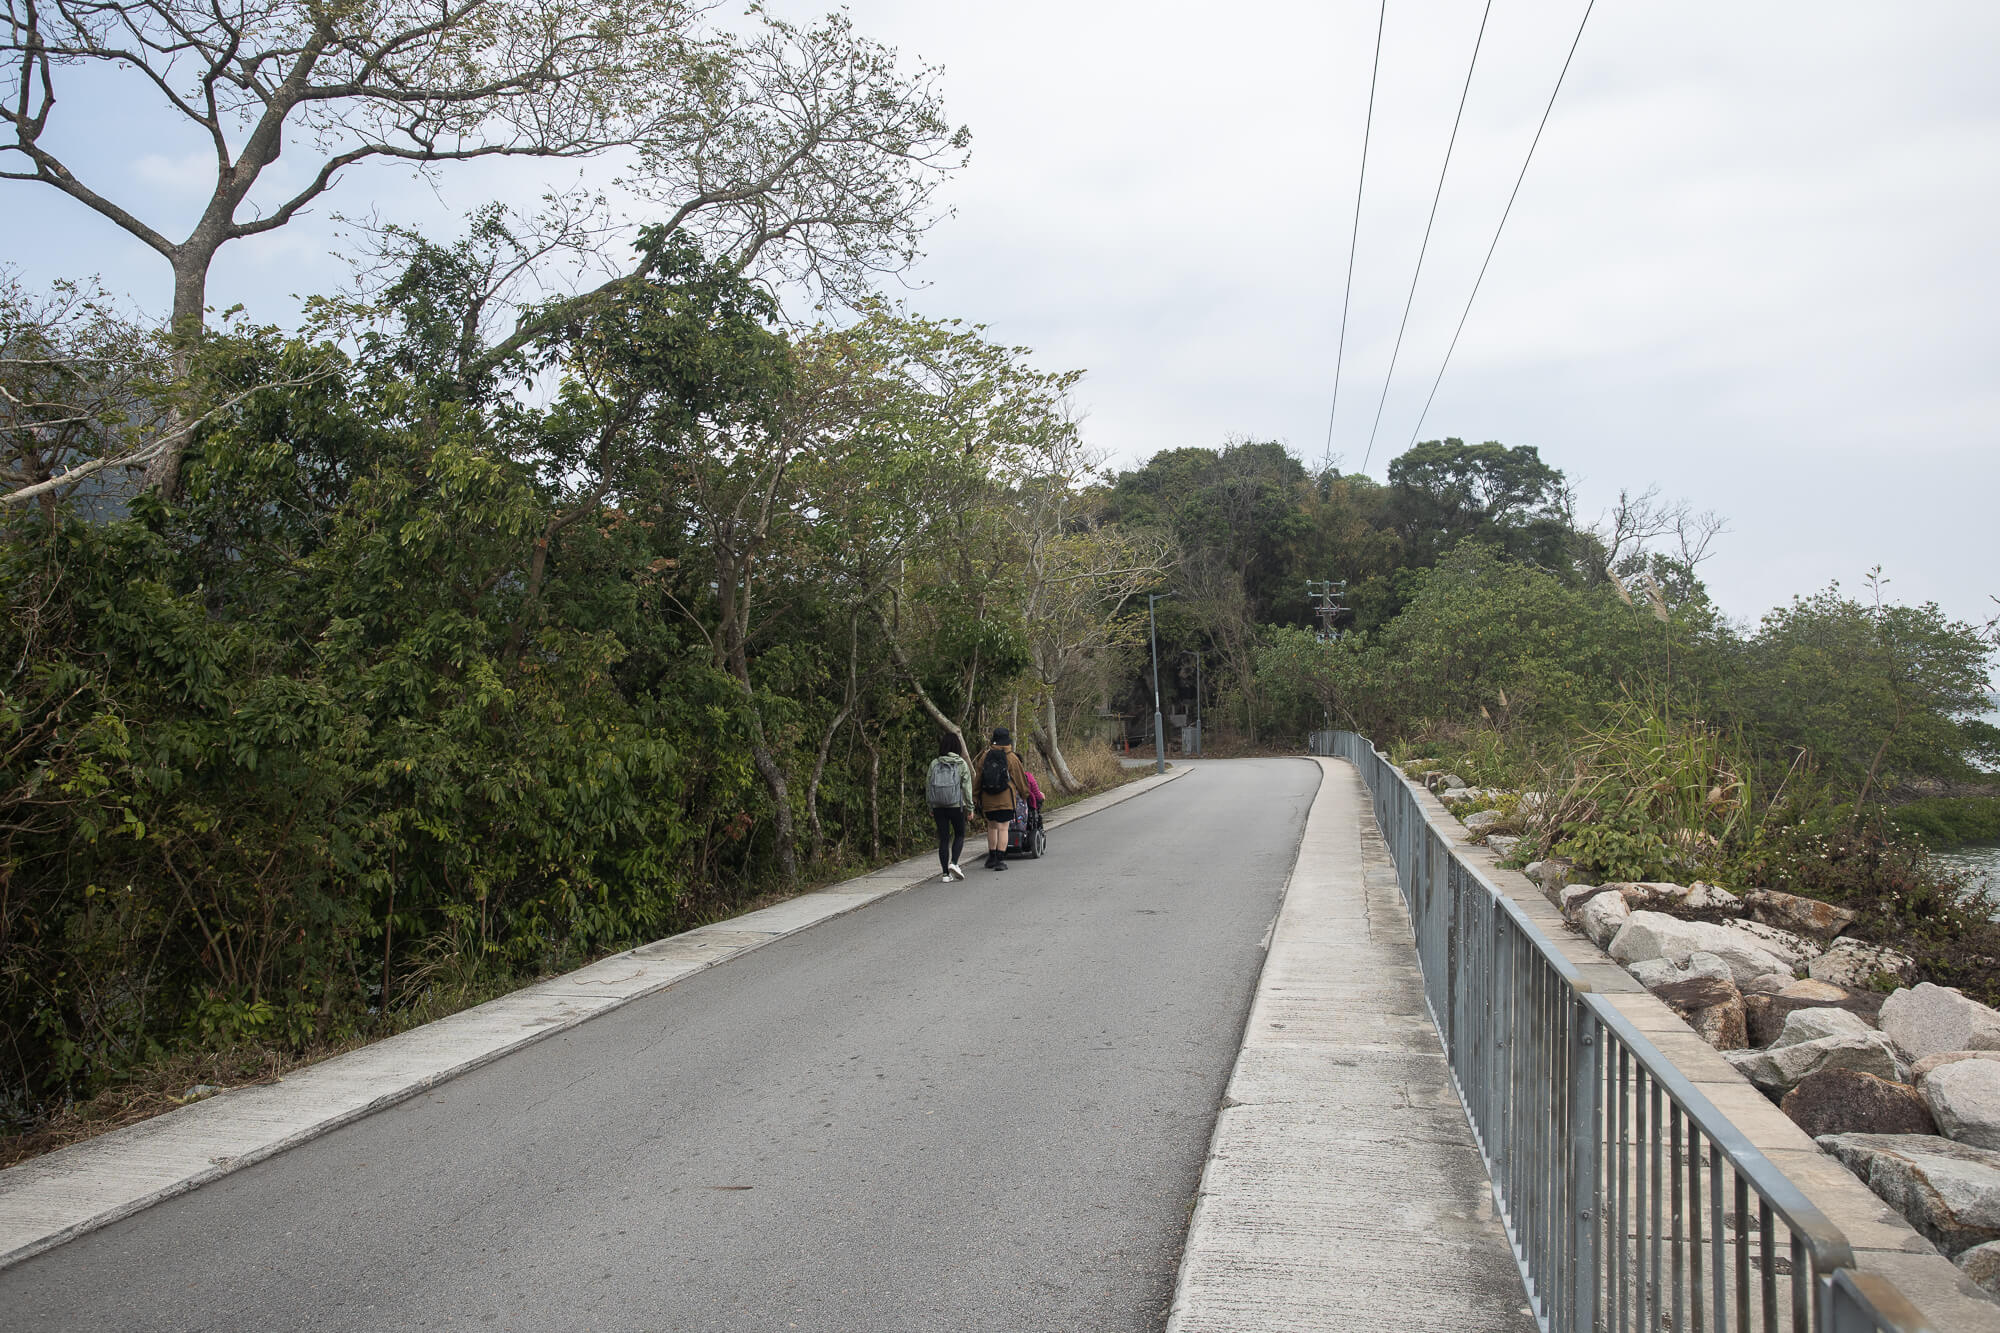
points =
(993, 771)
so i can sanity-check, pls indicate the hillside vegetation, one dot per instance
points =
(452, 655)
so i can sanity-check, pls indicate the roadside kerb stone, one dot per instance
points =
(1712, 1006)
(1883, 1242)
(1846, 1101)
(1767, 1014)
(1943, 1058)
(1807, 916)
(1779, 1069)
(1981, 1263)
(58, 1196)
(1812, 1024)
(1654, 973)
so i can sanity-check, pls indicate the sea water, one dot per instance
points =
(1982, 859)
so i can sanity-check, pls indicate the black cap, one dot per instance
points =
(1002, 736)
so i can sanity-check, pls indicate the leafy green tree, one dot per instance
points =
(1870, 689)
(1446, 491)
(1238, 519)
(1236, 511)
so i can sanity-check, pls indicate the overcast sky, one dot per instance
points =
(1755, 261)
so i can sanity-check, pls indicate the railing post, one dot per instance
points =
(1585, 1149)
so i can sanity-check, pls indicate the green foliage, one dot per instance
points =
(1238, 508)
(1679, 775)
(1483, 639)
(1621, 844)
(423, 686)
(425, 682)
(1446, 492)
(1871, 689)
(1903, 898)
(1941, 821)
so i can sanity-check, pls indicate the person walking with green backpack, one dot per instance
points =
(949, 786)
(1002, 783)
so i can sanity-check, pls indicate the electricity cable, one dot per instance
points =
(1505, 213)
(1424, 248)
(1354, 237)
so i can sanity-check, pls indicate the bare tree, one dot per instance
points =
(76, 384)
(1078, 576)
(87, 392)
(800, 150)
(1637, 526)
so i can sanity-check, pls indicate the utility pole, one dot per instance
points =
(1326, 596)
(1159, 723)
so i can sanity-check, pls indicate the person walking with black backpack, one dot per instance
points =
(1002, 783)
(949, 786)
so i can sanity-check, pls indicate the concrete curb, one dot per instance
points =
(1343, 1188)
(59, 1196)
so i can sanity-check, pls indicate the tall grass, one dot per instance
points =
(1680, 774)
(1095, 766)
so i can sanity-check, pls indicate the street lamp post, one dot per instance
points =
(1159, 723)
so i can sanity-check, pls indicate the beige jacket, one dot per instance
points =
(996, 803)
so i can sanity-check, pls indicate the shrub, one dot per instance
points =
(1902, 897)
(1095, 766)
(1940, 821)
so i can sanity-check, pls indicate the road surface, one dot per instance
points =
(978, 1106)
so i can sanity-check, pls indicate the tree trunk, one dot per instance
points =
(538, 561)
(902, 796)
(775, 780)
(909, 675)
(388, 943)
(1875, 766)
(972, 672)
(826, 741)
(874, 794)
(163, 472)
(818, 833)
(1053, 745)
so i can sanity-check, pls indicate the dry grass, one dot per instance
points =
(1096, 767)
(161, 1087)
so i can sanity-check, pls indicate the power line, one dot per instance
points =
(1424, 249)
(1505, 213)
(1354, 237)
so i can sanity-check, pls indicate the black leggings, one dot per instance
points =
(950, 821)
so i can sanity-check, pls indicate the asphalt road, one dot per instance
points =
(978, 1106)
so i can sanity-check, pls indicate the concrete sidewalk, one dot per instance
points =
(57, 1197)
(1343, 1189)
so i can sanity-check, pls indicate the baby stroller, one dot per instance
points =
(1025, 835)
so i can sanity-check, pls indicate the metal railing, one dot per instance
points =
(1633, 1204)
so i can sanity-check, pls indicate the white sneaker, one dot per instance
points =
(954, 873)
(945, 878)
